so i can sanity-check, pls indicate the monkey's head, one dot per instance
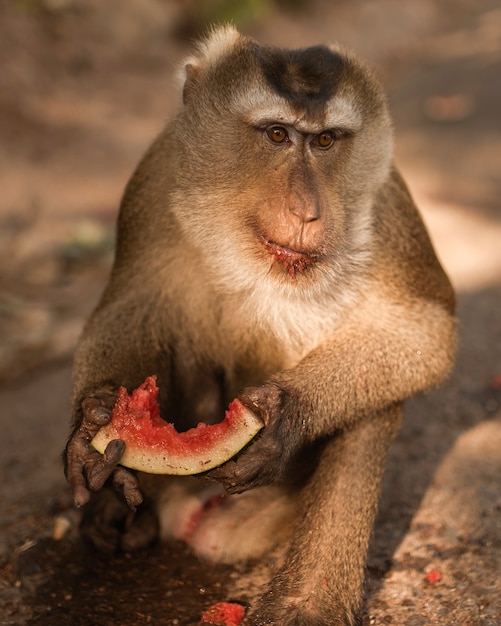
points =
(281, 155)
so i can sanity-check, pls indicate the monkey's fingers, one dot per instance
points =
(78, 484)
(99, 468)
(260, 464)
(222, 474)
(232, 479)
(83, 467)
(261, 400)
(95, 414)
(76, 456)
(126, 482)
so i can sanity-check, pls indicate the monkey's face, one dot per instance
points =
(282, 151)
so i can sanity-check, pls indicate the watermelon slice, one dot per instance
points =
(154, 446)
(224, 614)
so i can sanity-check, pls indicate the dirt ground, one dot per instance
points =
(84, 87)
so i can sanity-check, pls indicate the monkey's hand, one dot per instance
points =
(265, 459)
(87, 470)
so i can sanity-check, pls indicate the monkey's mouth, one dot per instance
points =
(293, 261)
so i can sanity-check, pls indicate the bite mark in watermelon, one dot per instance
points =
(154, 445)
(223, 614)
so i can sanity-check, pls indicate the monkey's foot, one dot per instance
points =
(294, 616)
(304, 604)
(110, 525)
(225, 528)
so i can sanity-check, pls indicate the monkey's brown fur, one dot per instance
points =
(268, 249)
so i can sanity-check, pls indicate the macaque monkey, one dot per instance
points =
(268, 250)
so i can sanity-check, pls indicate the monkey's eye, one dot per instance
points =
(277, 134)
(324, 139)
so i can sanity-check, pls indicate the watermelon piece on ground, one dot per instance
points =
(224, 614)
(154, 446)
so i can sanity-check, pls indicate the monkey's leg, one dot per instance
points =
(321, 583)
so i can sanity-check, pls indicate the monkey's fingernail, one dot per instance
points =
(100, 415)
(81, 498)
(114, 451)
(133, 499)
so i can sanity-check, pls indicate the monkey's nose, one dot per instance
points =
(305, 207)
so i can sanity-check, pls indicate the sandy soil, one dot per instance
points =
(84, 87)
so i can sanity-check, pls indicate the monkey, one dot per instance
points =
(267, 249)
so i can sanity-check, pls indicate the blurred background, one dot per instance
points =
(86, 85)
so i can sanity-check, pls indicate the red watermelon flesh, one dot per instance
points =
(224, 614)
(154, 445)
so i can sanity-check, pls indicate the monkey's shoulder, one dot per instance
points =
(404, 256)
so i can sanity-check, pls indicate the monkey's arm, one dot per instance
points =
(119, 346)
(372, 362)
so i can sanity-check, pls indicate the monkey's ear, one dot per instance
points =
(191, 74)
(208, 53)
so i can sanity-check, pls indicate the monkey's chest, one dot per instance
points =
(199, 386)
